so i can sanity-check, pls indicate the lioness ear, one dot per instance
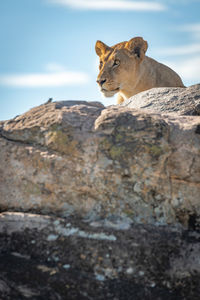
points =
(137, 46)
(101, 48)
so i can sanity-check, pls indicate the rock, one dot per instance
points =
(83, 262)
(68, 158)
(103, 203)
(183, 101)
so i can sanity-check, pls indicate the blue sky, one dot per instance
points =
(47, 46)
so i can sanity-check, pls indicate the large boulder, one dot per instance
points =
(116, 197)
(69, 158)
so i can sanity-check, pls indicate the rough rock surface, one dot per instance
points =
(116, 193)
(69, 158)
(47, 258)
(183, 101)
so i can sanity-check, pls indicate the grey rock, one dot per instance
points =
(113, 200)
(183, 101)
(80, 159)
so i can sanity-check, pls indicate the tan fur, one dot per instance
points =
(126, 70)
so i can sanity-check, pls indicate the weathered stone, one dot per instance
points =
(42, 257)
(66, 158)
(183, 101)
(102, 182)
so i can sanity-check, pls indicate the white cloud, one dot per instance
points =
(185, 59)
(180, 50)
(118, 5)
(192, 48)
(188, 69)
(56, 78)
(180, 1)
(193, 29)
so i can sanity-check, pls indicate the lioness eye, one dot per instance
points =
(100, 64)
(116, 62)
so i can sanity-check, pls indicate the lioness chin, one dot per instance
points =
(125, 69)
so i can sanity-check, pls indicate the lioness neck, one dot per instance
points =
(149, 74)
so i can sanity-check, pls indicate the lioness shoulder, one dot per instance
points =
(125, 69)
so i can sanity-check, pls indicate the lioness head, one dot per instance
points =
(118, 63)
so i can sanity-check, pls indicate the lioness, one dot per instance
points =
(126, 70)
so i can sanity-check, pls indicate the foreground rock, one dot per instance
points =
(117, 197)
(49, 258)
(71, 158)
(183, 101)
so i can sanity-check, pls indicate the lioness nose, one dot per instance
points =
(101, 82)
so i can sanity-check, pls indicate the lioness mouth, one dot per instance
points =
(115, 90)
